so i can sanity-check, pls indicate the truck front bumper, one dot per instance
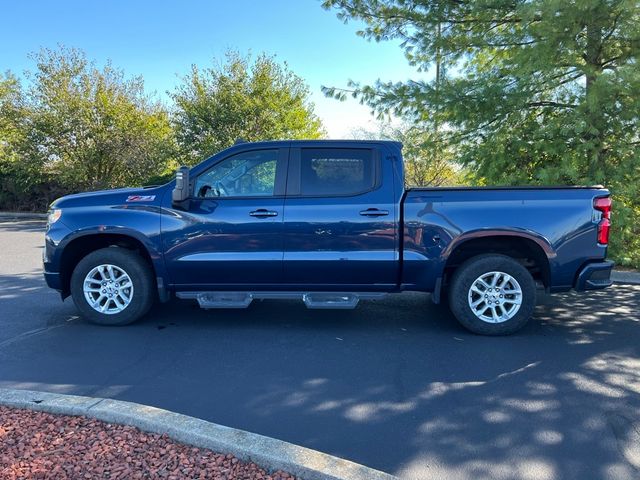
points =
(51, 253)
(53, 280)
(594, 276)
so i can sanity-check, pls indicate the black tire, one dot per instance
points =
(139, 271)
(465, 276)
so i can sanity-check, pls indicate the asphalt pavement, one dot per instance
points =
(396, 384)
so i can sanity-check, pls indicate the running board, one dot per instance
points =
(329, 300)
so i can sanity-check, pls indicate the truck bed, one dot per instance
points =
(557, 222)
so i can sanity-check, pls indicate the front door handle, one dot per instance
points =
(374, 212)
(263, 213)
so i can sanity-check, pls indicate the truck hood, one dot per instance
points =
(119, 196)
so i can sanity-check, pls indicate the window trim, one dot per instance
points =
(279, 186)
(295, 173)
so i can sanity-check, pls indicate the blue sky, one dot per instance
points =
(161, 39)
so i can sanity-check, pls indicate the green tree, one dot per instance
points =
(12, 116)
(428, 163)
(93, 128)
(18, 177)
(540, 91)
(259, 100)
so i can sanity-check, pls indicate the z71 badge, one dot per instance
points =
(141, 198)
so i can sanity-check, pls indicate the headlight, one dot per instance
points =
(54, 215)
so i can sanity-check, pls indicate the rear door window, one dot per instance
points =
(336, 171)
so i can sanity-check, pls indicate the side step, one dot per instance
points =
(329, 300)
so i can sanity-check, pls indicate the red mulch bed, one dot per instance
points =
(36, 445)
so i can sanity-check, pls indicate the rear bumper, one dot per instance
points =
(594, 276)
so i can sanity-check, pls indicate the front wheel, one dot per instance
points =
(112, 286)
(492, 295)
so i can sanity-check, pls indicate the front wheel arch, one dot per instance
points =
(137, 275)
(78, 248)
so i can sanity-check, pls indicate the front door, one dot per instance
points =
(340, 220)
(232, 234)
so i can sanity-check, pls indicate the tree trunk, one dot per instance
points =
(436, 125)
(594, 133)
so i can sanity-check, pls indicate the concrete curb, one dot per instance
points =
(269, 453)
(23, 215)
(626, 277)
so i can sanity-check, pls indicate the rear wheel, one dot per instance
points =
(492, 295)
(112, 286)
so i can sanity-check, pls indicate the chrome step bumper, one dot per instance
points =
(329, 300)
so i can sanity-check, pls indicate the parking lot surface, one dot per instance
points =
(396, 384)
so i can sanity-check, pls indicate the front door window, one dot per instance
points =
(248, 174)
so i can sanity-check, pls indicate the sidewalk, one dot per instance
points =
(22, 216)
(629, 277)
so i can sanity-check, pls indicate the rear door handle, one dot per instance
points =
(374, 212)
(263, 213)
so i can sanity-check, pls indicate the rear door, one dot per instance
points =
(232, 234)
(340, 219)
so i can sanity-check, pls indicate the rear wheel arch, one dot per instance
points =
(79, 247)
(527, 251)
(492, 294)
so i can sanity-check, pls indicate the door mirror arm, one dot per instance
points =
(181, 194)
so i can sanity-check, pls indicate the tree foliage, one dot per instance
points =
(12, 117)
(427, 163)
(71, 126)
(77, 127)
(19, 178)
(539, 91)
(93, 127)
(252, 100)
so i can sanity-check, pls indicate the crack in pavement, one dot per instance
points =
(96, 403)
(32, 333)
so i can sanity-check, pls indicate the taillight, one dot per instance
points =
(603, 204)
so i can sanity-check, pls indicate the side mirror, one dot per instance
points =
(182, 191)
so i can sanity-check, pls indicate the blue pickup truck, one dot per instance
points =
(329, 223)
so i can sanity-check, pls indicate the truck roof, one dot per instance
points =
(284, 143)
